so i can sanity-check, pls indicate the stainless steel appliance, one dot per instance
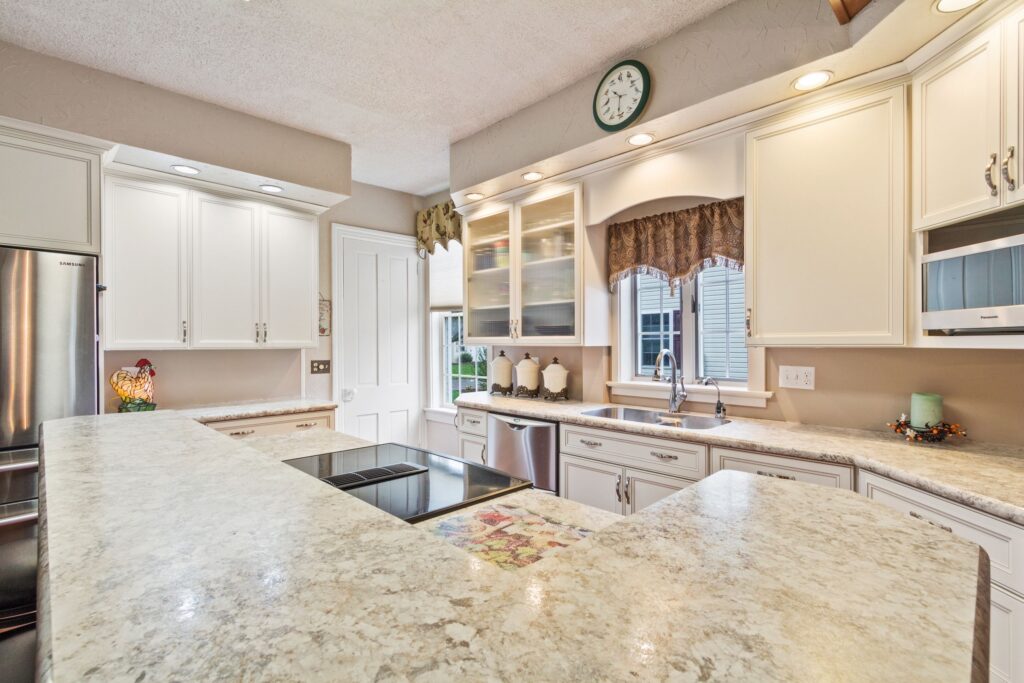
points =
(410, 483)
(527, 449)
(978, 288)
(47, 371)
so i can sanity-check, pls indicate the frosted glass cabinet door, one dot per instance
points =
(488, 266)
(547, 283)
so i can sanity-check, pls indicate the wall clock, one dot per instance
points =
(622, 95)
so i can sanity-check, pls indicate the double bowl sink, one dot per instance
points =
(654, 417)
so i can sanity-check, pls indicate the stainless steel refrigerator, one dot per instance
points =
(47, 341)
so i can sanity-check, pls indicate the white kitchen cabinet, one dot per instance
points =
(956, 134)
(290, 279)
(1006, 639)
(642, 489)
(1013, 101)
(591, 482)
(225, 273)
(523, 270)
(825, 228)
(472, 448)
(825, 474)
(49, 193)
(146, 235)
(275, 424)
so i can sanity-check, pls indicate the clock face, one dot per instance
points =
(621, 95)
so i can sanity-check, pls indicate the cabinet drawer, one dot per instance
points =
(279, 424)
(1003, 541)
(473, 421)
(781, 467)
(659, 455)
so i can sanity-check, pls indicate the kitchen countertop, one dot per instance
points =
(172, 552)
(241, 411)
(301, 444)
(989, 477)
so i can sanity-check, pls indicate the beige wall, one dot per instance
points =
(53, 92)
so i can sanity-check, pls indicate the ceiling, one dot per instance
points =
(397, 79)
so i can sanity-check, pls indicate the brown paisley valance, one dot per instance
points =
(677, 245)
(440, 223)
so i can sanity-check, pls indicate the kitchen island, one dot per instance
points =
(172, 552)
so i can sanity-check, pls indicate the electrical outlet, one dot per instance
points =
(796, 377)
(319, 367)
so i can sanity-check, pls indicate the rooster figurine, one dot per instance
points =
(135, 387)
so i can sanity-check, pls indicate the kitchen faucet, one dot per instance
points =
(676, 393)
(719, 406)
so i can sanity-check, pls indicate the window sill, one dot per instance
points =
(446, 415)
(696, 393)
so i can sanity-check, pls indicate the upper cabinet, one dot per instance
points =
(50, 193)
(523, 270)
(825, 228)
(188, 269)
(968, 128)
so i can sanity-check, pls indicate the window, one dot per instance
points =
(711, 329)
(463, 368)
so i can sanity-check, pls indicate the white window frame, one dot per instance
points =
(440, 405)
(626, 383)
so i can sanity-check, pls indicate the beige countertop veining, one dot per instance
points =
(172, 552)
(240, 411)
(989, 477)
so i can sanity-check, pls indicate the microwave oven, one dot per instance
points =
(975, 289)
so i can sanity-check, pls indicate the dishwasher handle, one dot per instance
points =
(519, 423)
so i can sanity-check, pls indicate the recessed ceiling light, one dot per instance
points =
(812, 80)
(640, 139)
(531, 176)
(187, 170)
(949, 6)
(474, 196)
(274, 189)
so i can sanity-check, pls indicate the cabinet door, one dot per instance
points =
(956, 129)
(1006, 638)
(488, 268)
(472, 448)
(1013, 135)
(50, 194)
(225, 273)
(825, 229)
(592, 483)
(644, 488)
(146, 265)
(290, 279)
(547, 279)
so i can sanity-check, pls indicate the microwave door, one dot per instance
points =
(979, 287)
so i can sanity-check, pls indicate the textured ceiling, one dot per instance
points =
(397, 79)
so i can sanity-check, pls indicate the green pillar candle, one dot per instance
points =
(925, 410)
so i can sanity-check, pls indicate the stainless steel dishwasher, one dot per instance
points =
(524, 448)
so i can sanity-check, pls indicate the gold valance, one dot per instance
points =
(440, 223)
(677, 245)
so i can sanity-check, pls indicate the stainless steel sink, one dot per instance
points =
(653, 417)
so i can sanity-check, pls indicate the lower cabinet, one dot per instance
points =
(781, 467)
(1006, 650)
(276, 424)
(612, 487)
(472, 447)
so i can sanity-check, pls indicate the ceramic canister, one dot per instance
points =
(527, 376)
(556, 380)
(501, 374)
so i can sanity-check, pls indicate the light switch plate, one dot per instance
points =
(796, 377)
(319, 367)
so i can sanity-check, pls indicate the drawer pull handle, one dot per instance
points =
(472, 421)
(242, 432)
(303, 425)
(19, 466)
(664, 456)
(592, 444)
(776, 476)
(618, 487)
(625, 490)
(19, 519)
(918, 515)
(992, 161)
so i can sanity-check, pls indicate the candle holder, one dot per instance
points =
(927, 434)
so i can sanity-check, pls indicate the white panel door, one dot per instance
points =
(1013, 135)
(956, 124)
(592, 483)
(642, 489)
(825, 229)
(290, 279)
(146, 265)
(225, 273)
(379, 343)
(473, 448)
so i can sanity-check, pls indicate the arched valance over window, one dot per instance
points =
(438, 224)
(677, 245)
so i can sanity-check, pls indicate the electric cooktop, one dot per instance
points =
(407, 482)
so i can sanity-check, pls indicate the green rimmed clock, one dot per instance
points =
(622, 95)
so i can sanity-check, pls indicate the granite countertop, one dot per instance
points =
(240, 411)
(989, 477)
(172, 552)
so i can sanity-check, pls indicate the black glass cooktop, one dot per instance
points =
(410, 483)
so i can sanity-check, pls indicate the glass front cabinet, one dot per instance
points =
(522, 270)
